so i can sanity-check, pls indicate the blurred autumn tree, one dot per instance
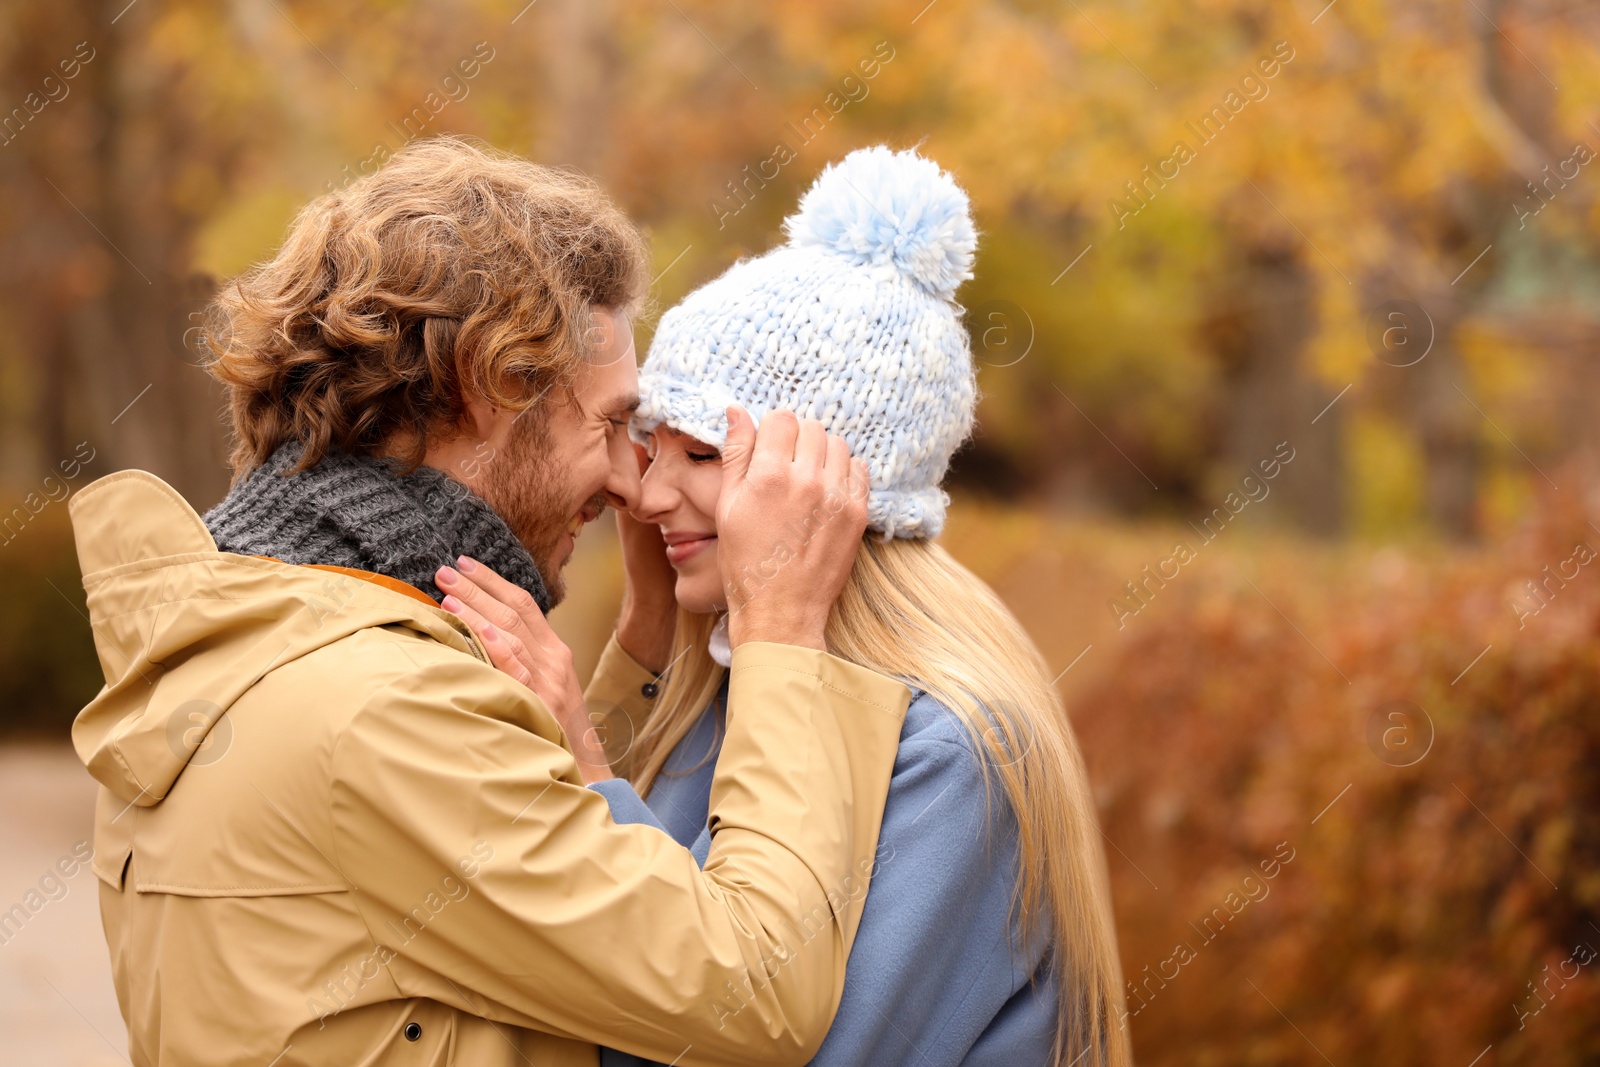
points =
(1219, 297)
(1420, 761)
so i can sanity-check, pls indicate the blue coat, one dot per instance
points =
(938, 976)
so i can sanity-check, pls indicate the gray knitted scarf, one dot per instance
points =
(361, 512)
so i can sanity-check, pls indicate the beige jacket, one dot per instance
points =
(331, 833)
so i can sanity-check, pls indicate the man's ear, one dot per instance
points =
(481, 419)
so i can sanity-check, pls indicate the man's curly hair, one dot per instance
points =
(455, 270)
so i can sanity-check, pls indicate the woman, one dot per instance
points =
(987, 935)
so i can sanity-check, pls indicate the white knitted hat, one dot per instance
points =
(852, 322)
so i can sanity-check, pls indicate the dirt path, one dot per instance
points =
(57, 1005)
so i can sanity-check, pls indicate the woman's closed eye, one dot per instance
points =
(679, 446)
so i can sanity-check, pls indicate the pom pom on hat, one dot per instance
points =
(878, 206)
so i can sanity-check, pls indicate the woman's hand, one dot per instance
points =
(645, 624)
(522, 644)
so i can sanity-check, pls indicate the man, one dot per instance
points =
(330, 832)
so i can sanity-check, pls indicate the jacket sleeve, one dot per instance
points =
(617, 702)
(502, 886)
(616, 692)
(626, 805)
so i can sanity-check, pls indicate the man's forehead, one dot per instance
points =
(609, 384)
(599, 393)
(625, 403)
(610, 335)
(609, 390)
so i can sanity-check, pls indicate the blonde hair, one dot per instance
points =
(911, 611)
(453, 269)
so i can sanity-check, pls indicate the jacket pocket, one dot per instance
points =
(417, 1033)
(251, 847)
(113, 839)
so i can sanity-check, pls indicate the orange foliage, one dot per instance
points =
(1430, 883)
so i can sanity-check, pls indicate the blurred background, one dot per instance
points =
(1348, 249)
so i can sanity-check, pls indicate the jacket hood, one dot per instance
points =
(182, 630)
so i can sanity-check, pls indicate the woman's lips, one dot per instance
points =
(680, 551)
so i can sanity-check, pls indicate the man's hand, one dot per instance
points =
(789, 523)
(522, 645)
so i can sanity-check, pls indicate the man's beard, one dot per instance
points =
(523, 485)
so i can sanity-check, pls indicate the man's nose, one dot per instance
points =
(623, 485)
